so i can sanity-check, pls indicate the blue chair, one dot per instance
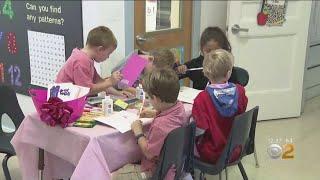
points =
(8, 105)
(239, 137)
(178, 151)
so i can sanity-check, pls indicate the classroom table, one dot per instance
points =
(79, 153)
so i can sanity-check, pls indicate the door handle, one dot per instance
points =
(236, 29)
(140, 39)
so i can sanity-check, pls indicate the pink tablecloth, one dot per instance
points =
(79, 153)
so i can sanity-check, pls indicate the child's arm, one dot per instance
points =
(136, 127)
(130, 90)
(103, 84)
(113, 91)
(193, 63)
(200, 117)
(147, 113)
(100, 86)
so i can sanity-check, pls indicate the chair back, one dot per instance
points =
(238, 139)
(252, 133)
(9, 105)
(240, 136)
(177, 152)
(239, 76)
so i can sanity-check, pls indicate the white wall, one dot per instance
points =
(110, 14)
(210, 13)
(213, 13)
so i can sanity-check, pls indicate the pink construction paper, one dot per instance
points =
(132, 69)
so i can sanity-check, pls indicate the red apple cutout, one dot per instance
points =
(262, 18)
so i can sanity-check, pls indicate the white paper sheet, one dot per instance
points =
(122, 120)
(47, 56)
(187, 94)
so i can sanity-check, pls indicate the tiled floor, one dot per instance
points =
(305, 134)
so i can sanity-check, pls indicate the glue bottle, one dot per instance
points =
(107, 106)
(140, 93)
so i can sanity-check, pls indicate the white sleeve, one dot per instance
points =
(199, 131)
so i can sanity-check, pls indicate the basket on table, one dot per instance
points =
(55, 111)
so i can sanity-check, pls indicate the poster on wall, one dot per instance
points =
(151, 15)
(276, 11)
(36, 37)
(179, 55)
(47, 56)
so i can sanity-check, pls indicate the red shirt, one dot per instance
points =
(217, 128)
(79, 70)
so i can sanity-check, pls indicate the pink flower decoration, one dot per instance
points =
(55, 111)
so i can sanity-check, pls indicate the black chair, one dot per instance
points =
(251, 147)
(8, 105)
(239, 76)
(239, 137)
(178, 151)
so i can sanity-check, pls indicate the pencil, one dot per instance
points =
(195, 69)
(141, 107)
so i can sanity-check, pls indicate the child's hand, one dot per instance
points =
(116, 77)
(136, 127)
(147, 113)
(182, 69)
(131, 90)
(127, 94)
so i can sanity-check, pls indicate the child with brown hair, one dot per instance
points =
(215, 108)
(170, 115)
(79, 68)
(163, 58)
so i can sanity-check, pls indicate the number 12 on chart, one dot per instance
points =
(15, 74)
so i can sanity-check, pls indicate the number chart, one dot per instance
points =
(47, 56)
(36, 38)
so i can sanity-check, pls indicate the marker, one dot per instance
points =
(141, 107)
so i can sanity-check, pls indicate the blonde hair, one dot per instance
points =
(163, 58)
(101, 36)
(162, 83)
(217, 64)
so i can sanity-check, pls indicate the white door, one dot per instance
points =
(273, 56)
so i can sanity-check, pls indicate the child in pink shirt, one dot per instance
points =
(170, 115)
(79, 68)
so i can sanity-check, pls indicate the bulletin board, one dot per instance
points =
(36, 38)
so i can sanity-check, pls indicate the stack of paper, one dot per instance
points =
(187, 94)
(122, 120)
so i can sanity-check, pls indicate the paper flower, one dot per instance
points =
(55, 111)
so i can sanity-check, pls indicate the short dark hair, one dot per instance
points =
(215, 33)
(162, 83)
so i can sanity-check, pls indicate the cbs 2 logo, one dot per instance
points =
(286, 150)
